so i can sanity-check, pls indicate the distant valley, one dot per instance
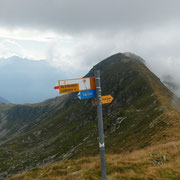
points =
(27, 81)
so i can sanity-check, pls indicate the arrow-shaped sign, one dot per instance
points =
(87, 94)
(105, 99)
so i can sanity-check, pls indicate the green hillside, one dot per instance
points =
(141, 115)
(15, 120)
(159, 162)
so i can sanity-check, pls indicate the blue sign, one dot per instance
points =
(87, 94)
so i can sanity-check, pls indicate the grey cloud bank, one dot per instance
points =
(71, 16)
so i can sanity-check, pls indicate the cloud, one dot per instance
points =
(168, 71)
(10, 48)
(78, 16)
(29, 34)
(80, 54)
(78, 34)
(157, 46)
(89, 48)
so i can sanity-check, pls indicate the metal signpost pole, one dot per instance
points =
(100, 124)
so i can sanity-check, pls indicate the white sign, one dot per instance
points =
(75, 85)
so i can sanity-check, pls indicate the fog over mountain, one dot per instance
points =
(168, 71)
(29, 81)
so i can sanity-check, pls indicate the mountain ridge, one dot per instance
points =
(141, 115)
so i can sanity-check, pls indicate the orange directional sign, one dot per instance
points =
(75, 85)
(69, 88)
(105, 99)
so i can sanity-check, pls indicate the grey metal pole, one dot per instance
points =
(100, 124)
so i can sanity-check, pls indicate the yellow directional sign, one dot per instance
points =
(75, 85)
(69, 88)
(105, 99)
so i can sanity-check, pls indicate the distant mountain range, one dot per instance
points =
(27, 81)
(3, 100)
(141, 115)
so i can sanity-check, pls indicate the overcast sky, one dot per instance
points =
(76, 34)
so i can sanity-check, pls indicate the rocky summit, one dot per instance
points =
(144, 113)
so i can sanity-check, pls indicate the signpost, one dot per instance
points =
(100, 124)
(89, 87)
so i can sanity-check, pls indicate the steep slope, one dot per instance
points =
(15, 120)
(160, 162)
(141, 115)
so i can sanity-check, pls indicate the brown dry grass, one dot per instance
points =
(157, 162)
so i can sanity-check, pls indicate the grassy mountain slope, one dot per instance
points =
(141, 115)
(153, 163)
(15, 120)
